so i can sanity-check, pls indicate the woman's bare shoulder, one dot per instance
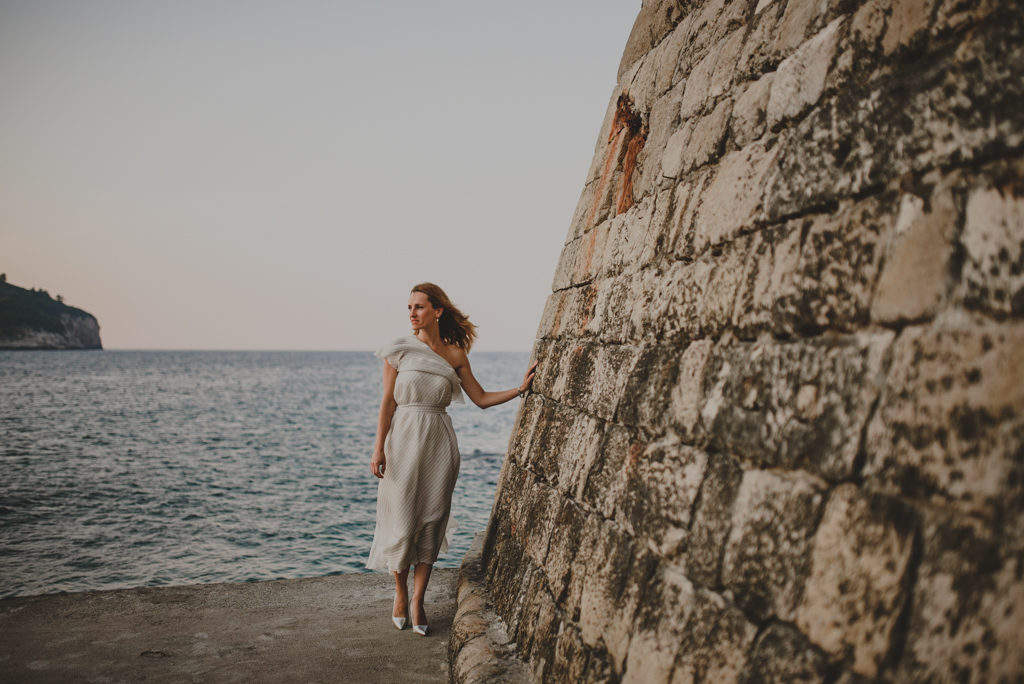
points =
(457, 356)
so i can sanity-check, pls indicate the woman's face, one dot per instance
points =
(421, 312)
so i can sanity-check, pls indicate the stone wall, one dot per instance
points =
(778, 429)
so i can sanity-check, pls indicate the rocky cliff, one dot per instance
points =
(778, 431)
(31, 319)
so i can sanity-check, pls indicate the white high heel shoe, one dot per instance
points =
(419, 629)
(399, 622)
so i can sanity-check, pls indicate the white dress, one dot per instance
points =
(414, 498)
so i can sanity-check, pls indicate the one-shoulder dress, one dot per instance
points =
(414, 498)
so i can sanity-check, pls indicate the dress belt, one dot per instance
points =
(423, 408)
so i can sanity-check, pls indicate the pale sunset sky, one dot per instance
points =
(209, 174)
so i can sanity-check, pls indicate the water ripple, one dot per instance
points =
(153, 468)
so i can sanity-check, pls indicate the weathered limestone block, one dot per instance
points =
(547, 350)
(537, 516)
(611, 371)
(758, 55)
(508, 578)
(628, 306)
(748, 114)
(590, 536)
(950, 423)
(618, 299)
(711, 77)
(768, 279)
(567, 312)
(649, 387)
(706, 27)
(662, 621)
(606, 480)
(612, 190)
(659, 495)
(800, 79)
(712, 519)
(728, 52)
(838, 268)
(911, 121)
(685, 205)
(567, 442)
(666, 391)
(566, 265)
(797, 21)
(610, 575)
(783, 655)
(563, 547)
(574, 361)
(696, 299)
(855, 592)
(538, 631)
(918, 271)
(814, 273)
(686, 401)
(479, 649)
(581, 215)
(551, 317)
(868, 24)
(993, 240)
(546, 427)
(576, 450)
(660, 159)
(735, 197)
(629, 246)
(672, 157)
(698, 85)
(766, 560)
(590, 254)
(799, 405)
(656, 20)
(570, 663)
(956, 16)
(968, 604)
(718, 638)
(909, 19)
(708, 137)
(529, 413)
(578, 311)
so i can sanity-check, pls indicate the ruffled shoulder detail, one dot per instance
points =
(409, 353)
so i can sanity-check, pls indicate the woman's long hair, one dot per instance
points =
(454, 326)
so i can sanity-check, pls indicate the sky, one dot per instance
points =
(206, 174)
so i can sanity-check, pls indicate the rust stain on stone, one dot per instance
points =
(626, 138)
(611, 161)
(588, 309)
(558, 315)
(635, 450)
(636, 144)
(588, 260)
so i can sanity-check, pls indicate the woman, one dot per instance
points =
(416, 456)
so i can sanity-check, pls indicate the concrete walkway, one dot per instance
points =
(321, 629)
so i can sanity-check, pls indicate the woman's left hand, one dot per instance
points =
(528, 378)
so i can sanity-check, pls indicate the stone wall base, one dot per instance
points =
(479, 649)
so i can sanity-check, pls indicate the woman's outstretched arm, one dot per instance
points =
(481, 397)
(387, 412)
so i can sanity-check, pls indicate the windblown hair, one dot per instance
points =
(454, 326)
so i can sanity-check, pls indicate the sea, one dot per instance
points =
(152, 468)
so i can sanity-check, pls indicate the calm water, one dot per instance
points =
(130, 468)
